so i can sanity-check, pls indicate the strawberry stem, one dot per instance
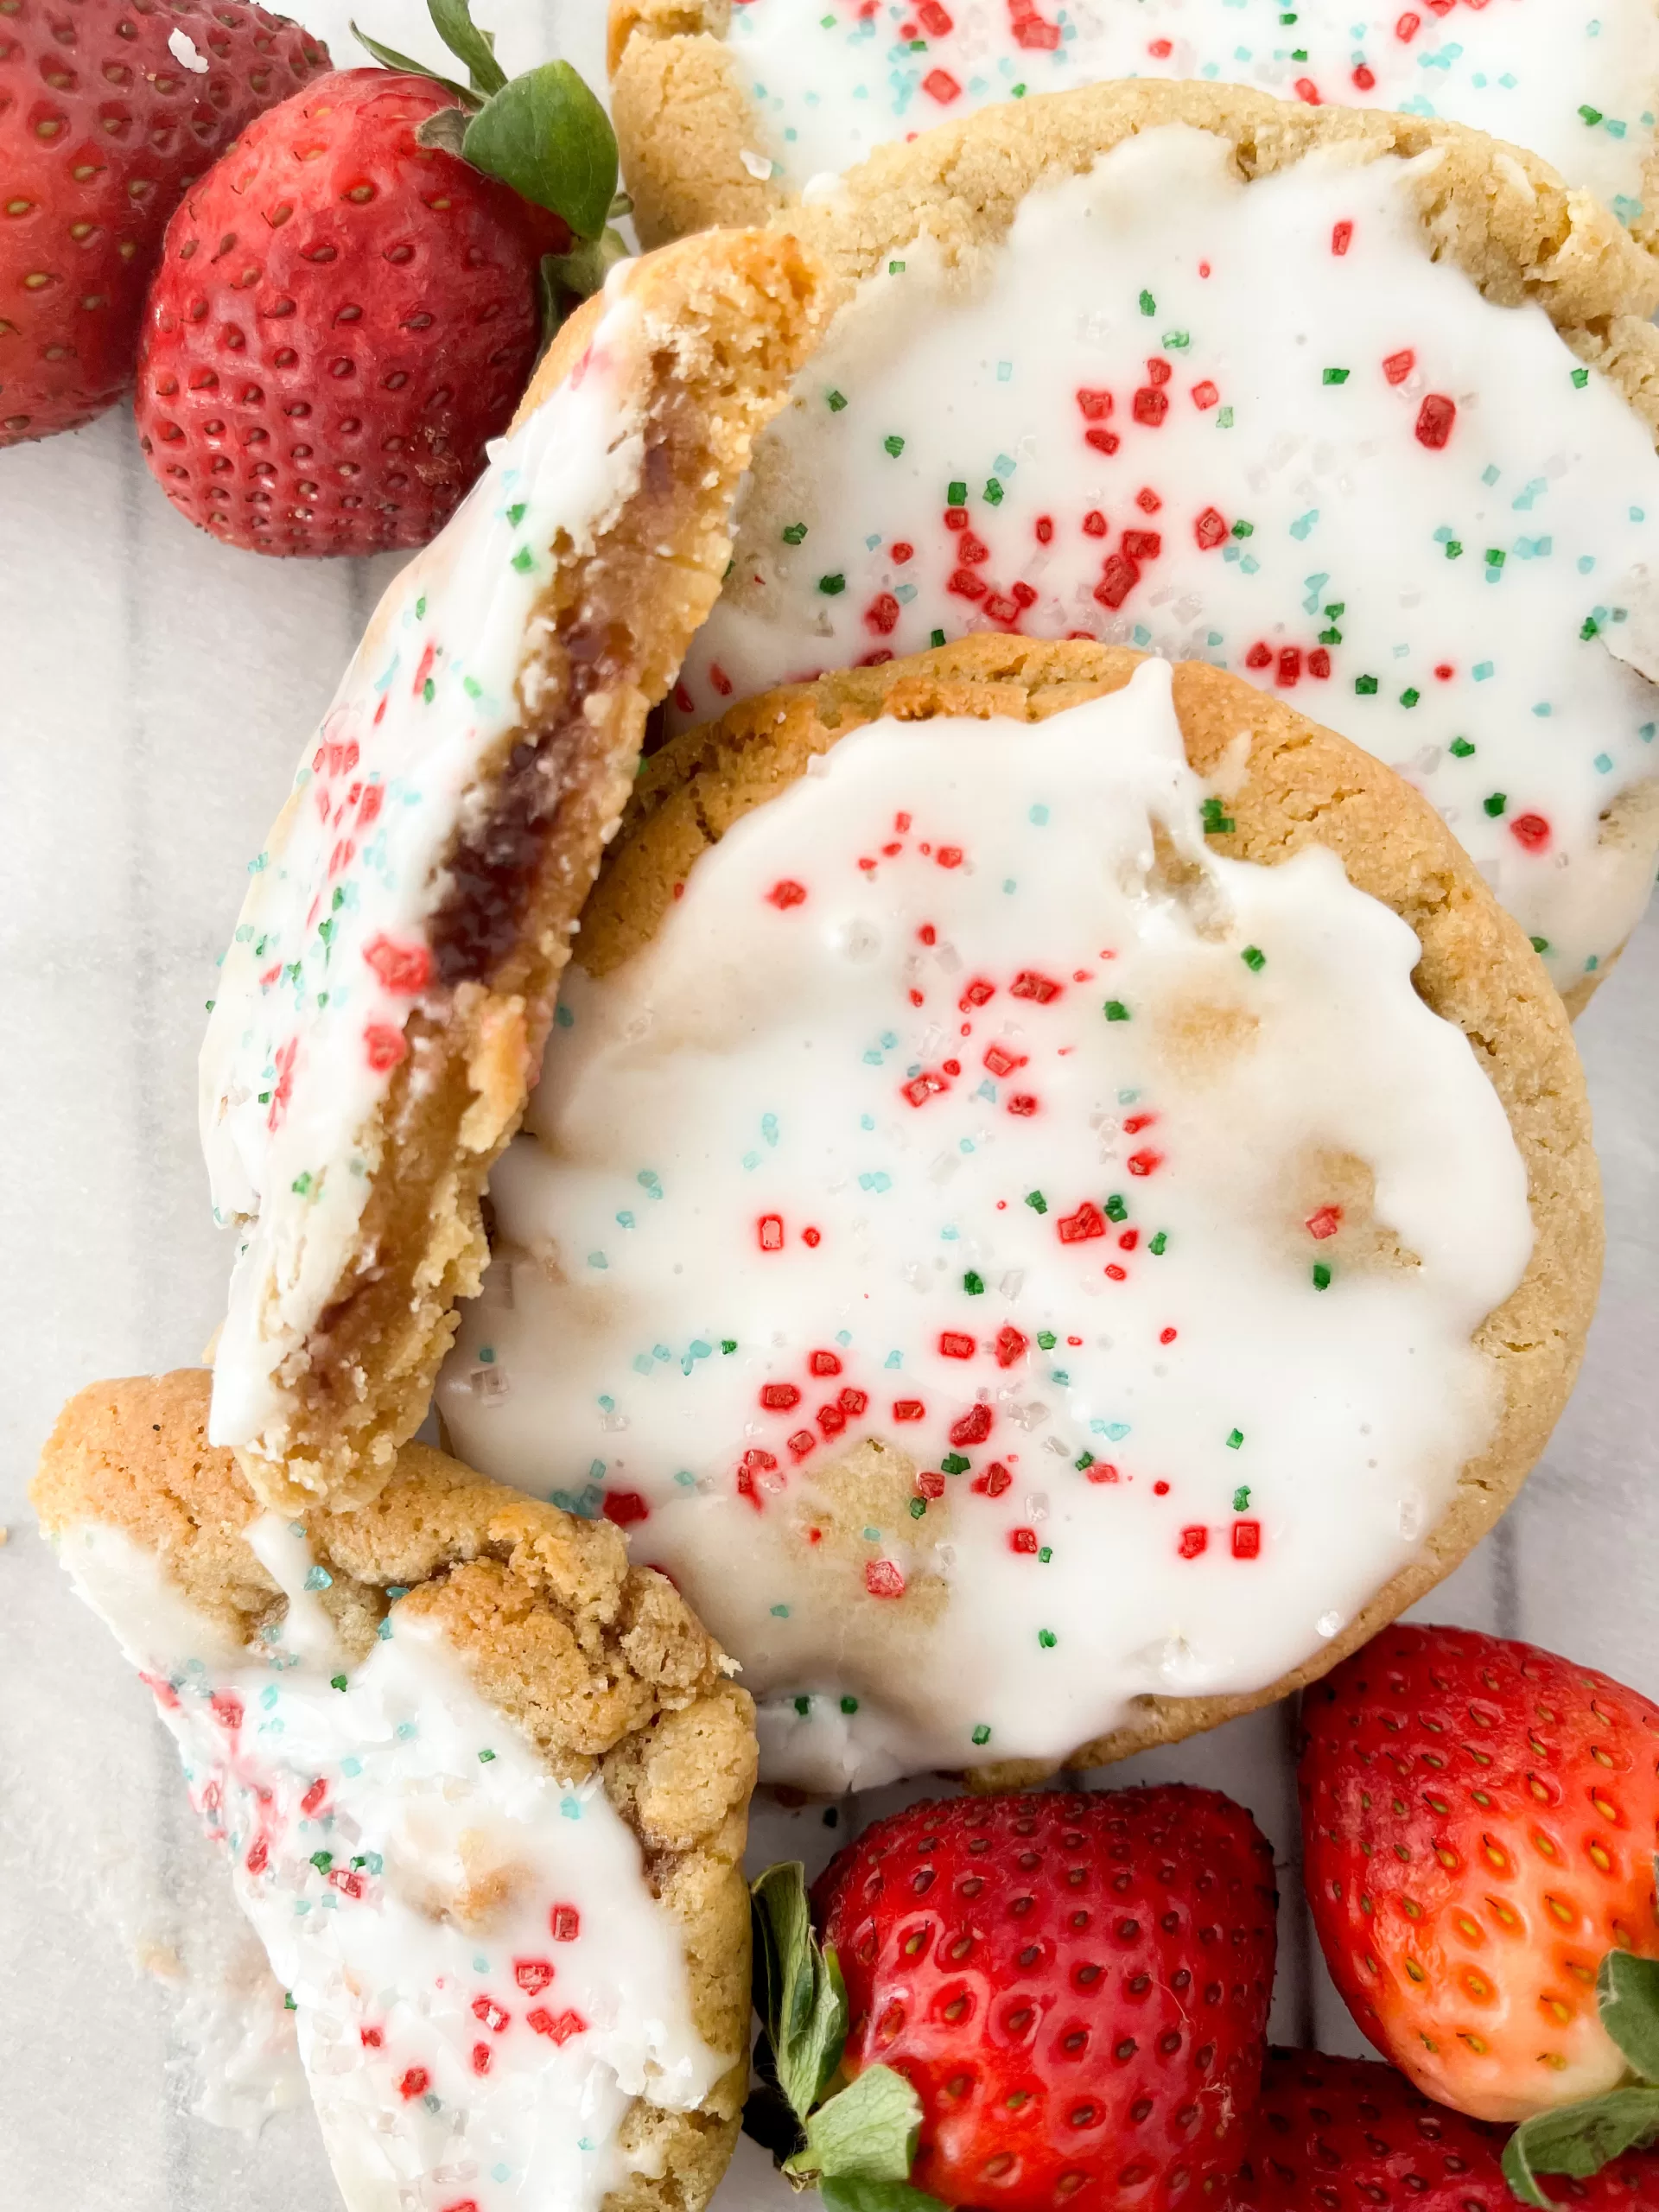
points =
(453, 21)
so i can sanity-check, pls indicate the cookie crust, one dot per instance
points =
(723, 323)
(602, 1665)
(1301, 785)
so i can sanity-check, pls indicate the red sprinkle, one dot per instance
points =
(1406, 27)
(403, 968)
(625, 1507)
(1079, 1227)
(1101, 1471)
(1247, 1540)
(1435, 420)
(1023, 1540)
(1342, 234)
(1396, 367)
(941, 85)
(1210, 530)
(1205, 395)
(1151, 405)
(1002, 1062)
(1145, 1162)
(1022, 1103)
(824, 1363)
(770, 1229)
(802, 1442)
(1166, 1336)
(1028, 984)
(532, 1975)
(1045, 529)
(1194, 1542)
(490, 2014)
(1259, 656)
(785, 893)
(995, 1480)
(414, 2083)
(1118, 578)
(1531, 830)
(1364, 81)
(973, 1428)
(852, 1402)
(955, 1345)
(1010, 1344)
(1094, 524)
(1308, 90)
(1158, 370)
(313, 1796)
(1325, 1222)
(908, 1410)
(778, 1397)
(481, 2058)
(385, 1046)
(883, 1578)
(812, 1238)
(1094, 405)
(882, 615)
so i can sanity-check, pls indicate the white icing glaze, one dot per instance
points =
(746, 1082)
(331, 952)
(481, 2051)
(831, 79)
(1246, 378)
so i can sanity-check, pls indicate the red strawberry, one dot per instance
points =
(1478, 1825)
(347, 311)
(109, 109)
(1076, 1988)
(1347, 2134)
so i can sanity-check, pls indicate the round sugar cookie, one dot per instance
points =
(727, 111)
(482, 1789)
(1043, 1258)
(1342, 402)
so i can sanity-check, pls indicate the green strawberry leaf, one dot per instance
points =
(546, 136)
(866, 2132)
(854, 2193)
(453, 21)
(1627, 1989)
(1579, 2139)
(389, 58)
(799, 1991)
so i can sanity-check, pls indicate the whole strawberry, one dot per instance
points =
(1479, 1822)
(1074, 1989)
(109, 109)
(1348, 2134)
(348, 306)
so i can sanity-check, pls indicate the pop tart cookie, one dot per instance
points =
(382, 1004)
(1056, 1205)
(730, 109)
(1345, 403)
(482, 1789)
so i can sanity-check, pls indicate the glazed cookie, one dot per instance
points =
(1040, 1282)
(483, 1789)
(1361, 408)
(382, 1008)
(729, 109)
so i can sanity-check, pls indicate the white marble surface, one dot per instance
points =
(154, 691)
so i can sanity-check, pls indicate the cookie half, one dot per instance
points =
(727, 112)
(483, 1791)
(1359, 407)
(1059, 1205)
(382, 1008)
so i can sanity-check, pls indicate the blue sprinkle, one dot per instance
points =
(1303, 523)
(769, 1128)
(625, 1220)
(351, 1768)
(597, 1260)
(867, 1121)
(564, 1017)
(1603, 763)
(1481, 670)
(1038, 815)
(1008, 884)
(878, 1181)
(686, 1479)
(318, 1577)
(570, 1808)
(595, 1470)
(895, 1359)
(699, 1349)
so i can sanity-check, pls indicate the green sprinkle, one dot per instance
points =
(992, 495)
(1116, 1209)
(1224, 419)
(895, 268)
(337, 1682)
(1046, 1554)
(832, 587)
(982, 1733)
(1048, 1339)
(837, 401)
(794, 532)
(894, 445)
(1217, 820)
(1591, 115)
(802, 1706)
(1455, 549)
(301, 1184)
(1047, 1638)
(849, 1705)
(1540, 945)
(954, 1464)
(428, 691)
(1254, 958)
(1176, 341)
(1336, 376)
(516, 514)
(524, 560)
(288, 2006)
(1321, 1275)
(1241, 1498)
(1244, 530)
(1590, 627)
(1495, 803)
(420, 604)
(728, 1344)
(938, 638)
(1235, 1438)
(1409, 697)
(1495, 556)
(1460, 748)
(1332, 637)
(973, 1284)
(485, 1757)
(1580, 378)
(1365, 685)
(1037, 1202)
(1114, 1010)
(1084, 1460)
(1159, 1245)
(956, 494)
(472, 687)
(322, 1860)
(1148, 305)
